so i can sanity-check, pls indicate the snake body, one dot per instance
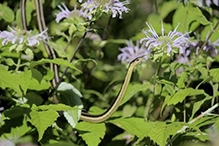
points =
(84, 116)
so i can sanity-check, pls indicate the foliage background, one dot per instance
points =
(149, 117)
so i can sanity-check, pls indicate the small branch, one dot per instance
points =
(107, 27)
(212, 31)
(207, 112)
(18, 62)
(72, 58)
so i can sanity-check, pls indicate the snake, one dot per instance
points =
(84, 115)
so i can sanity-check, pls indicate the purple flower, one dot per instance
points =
(208, 2)
(130, 52)
(108, 6)
(169, 44)
(201, 3)
(63, 14)
(10, 37)
(66, 13)
(210, 47)
(34, 40)
(6, 143)
(21, 37)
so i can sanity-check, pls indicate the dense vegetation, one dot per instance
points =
(172, 98)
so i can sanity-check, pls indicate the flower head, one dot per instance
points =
(66, 13)
(21, 37)
(108, 6)
(63, 14)
(210, 47)
(130, 52)
(201, 3)
(169, 44)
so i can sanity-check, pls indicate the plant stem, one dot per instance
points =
(184, 110)
(106, 29)
(198, 117)
(206, 41)
(73, 56)
(151, 99)
(18, 62)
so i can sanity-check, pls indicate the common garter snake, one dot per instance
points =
(84, 116)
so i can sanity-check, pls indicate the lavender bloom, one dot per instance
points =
(66, 13)
(6, 143)
(108, 6)
(130, 52)
(208, 2)
(63, 14)
(201, 3)
(165, 44)
(33, 40)
(19, 37)
(210, 47)
(10, 37)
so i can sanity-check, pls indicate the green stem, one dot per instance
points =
(18, 62)
(151, 99)
(206, 41)
(198, 117)
(184, 110)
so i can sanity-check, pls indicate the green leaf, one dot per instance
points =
(9, 62)
(114, 41)
(69, 95)
(16, 111)
(35, 85)
(197, 105)
(25, 81)
(133, 89)
(61, 143)
(8, 80)
(42, 120)
(128, 110)
(198, 15)
(56, 107)
(6, 13)
(72, 29)
(19, 82)
(72, 116)
(29, 53)
(182, 94)
(36, 74)
(55, 61)
(215, 73)
(17, 132)
(167, 7)
(134, 126)
(162, 131)
(92, 133)
(59, 49)
(216, 125)
(193, 18)
(181, 81)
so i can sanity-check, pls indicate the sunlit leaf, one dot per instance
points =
(91, 133)
(133, 89)
(215, 73)
(55, 61)
(6, 13)
(182, 94)
(69, 95)
(42, 120)
(59, 49)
